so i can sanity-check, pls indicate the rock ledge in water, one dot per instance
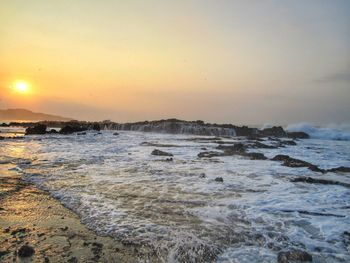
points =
(161, 153)
(293, 256)
(37, 129)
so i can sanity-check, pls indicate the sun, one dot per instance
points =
(21, 86)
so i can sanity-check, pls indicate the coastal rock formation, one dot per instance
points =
(293, 162)
(176, 126)
(37, 129)
(161, 153)
(293, 256)
(298, 135)
(311, 180)
(69, 129)
(341, 169)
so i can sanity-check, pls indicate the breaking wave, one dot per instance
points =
(332, 132)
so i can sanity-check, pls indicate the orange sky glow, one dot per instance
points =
(221, 61)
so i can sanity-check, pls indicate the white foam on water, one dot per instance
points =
(178, 210)
(332, 132)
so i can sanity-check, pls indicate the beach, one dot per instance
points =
(31, 217)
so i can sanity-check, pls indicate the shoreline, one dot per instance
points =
(31, 217)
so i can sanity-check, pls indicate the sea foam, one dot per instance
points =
(332, 132)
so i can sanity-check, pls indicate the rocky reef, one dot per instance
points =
(174, 126)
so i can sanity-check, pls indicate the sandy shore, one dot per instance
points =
(30, 217)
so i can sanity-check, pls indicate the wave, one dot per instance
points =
(331, 132)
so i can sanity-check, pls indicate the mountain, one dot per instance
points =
(27, 115)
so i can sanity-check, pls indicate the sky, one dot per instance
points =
(223, 61)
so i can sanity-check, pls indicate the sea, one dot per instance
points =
(175, 209)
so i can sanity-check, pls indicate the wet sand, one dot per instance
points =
(29, 216)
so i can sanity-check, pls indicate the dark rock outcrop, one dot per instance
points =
(232, 149)
(37, 129)
(161, 153)
(341, 169)
(26, 251)
(52, 131)
(96, 127)
(219, 179)
(311, 180)
(293, 256)
(69, 129)
(298, 135)
(276, 131)
(296, 163)
(255, 156)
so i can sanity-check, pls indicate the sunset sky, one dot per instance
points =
(249, 62)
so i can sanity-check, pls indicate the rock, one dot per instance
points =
(18, 231)
(298, 135)
(115, 134)
(81, 133)
(209, 154)
(160, 153)
(202, 175)
(69, 129)
(276, 131)
(263, 146)
(26, 251)
(37, 129)
(73, 260)
(296, 163)
(341, 169)
(219, 179)
(232, 149)
(255, 156)
(245, 131)
(292, 256)
(52, 131)
(311, 180)
(291, 142)
(3, 253)
(96, 127)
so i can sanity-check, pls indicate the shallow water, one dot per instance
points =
(176, 210)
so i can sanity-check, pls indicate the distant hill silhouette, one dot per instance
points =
(27, 115)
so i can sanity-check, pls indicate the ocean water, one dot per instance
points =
(176, 211)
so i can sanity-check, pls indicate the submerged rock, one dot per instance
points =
(37, 129)
(161, 153)
(26, 251)
(296, 163)
(341, 169)
(232, 149)
(311, 180)
(52, 131)
(298, 135)
(258, 144)
(293, 256)
(284, 143)
(219, 179)
(255, 156)
(210, 154)
(69, 129)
